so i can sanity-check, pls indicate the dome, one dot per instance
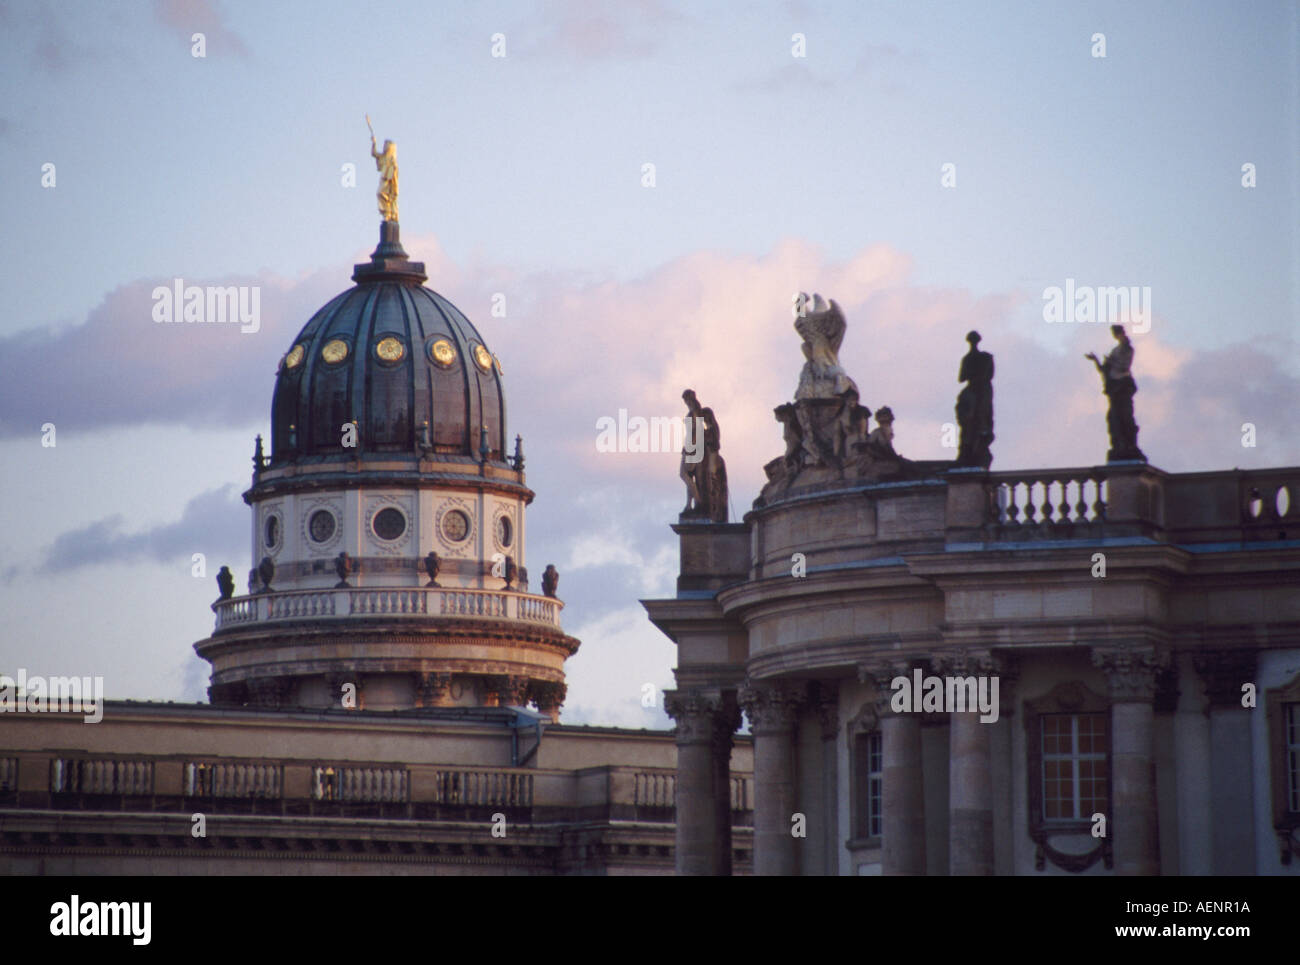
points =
(396, 358)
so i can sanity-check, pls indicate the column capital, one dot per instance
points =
(772, 706)
(882, 671)
(1223, 672)
(967, 662)
(430, 688)
(1131, 671)
(703, 717)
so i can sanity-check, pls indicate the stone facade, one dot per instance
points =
(1126, 615)
(459, 792)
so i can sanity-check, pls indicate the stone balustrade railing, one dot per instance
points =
(410, 602)
(1047, 498)
(1127, 500)
(657, 788)
(128, 776)
(479, 787)
(233, 779)
(360, 784)
(740, 800)
(400, 791)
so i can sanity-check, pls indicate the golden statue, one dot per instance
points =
(386, 162)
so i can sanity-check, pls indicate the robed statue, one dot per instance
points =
(975, 406)
(1117, 382)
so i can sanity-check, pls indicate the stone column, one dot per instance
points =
(706, 722)
(902, 824)
(773, 709)
(1131, 677)
(970, 772)
(1232, 794)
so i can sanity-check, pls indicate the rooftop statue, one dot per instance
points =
(821, 325)
(1118, 384)
(386, 162)
(825, 428)
(975, 406)
(703, 469)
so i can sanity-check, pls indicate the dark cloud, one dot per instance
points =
(122, 368)
(212, 523)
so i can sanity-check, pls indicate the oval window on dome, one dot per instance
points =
(390, 349)
(483, 357)
(389, 523)
(497, 362)
(455, 526)
(321, 526)
(334, 351)
(442, 352)
(294, 358)
(505, 532)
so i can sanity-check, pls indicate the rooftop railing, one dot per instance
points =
(404, 603)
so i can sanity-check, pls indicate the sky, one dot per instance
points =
(934, 167)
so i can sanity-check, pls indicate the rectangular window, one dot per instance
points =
(867, 773)
(875, 770)
(1293, 756)
(1074, 752)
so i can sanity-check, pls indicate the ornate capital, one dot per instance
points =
(703, 718)
(962, 662)
(882, 672)
(1223, 672)
(431, 688)
(506, 690)
(1132, 672)
(772, 706)
(548, 695)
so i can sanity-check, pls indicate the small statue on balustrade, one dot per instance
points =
(432, 564)
(226, 582)
(550, 580)
(343, 566)
(266, 573)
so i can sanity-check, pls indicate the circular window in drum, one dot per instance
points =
(389, 523)
(321, 526)
(334, 351)
(505, 532)
(272, 532)
(390, 349)
(455, 526)
(442, 352)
